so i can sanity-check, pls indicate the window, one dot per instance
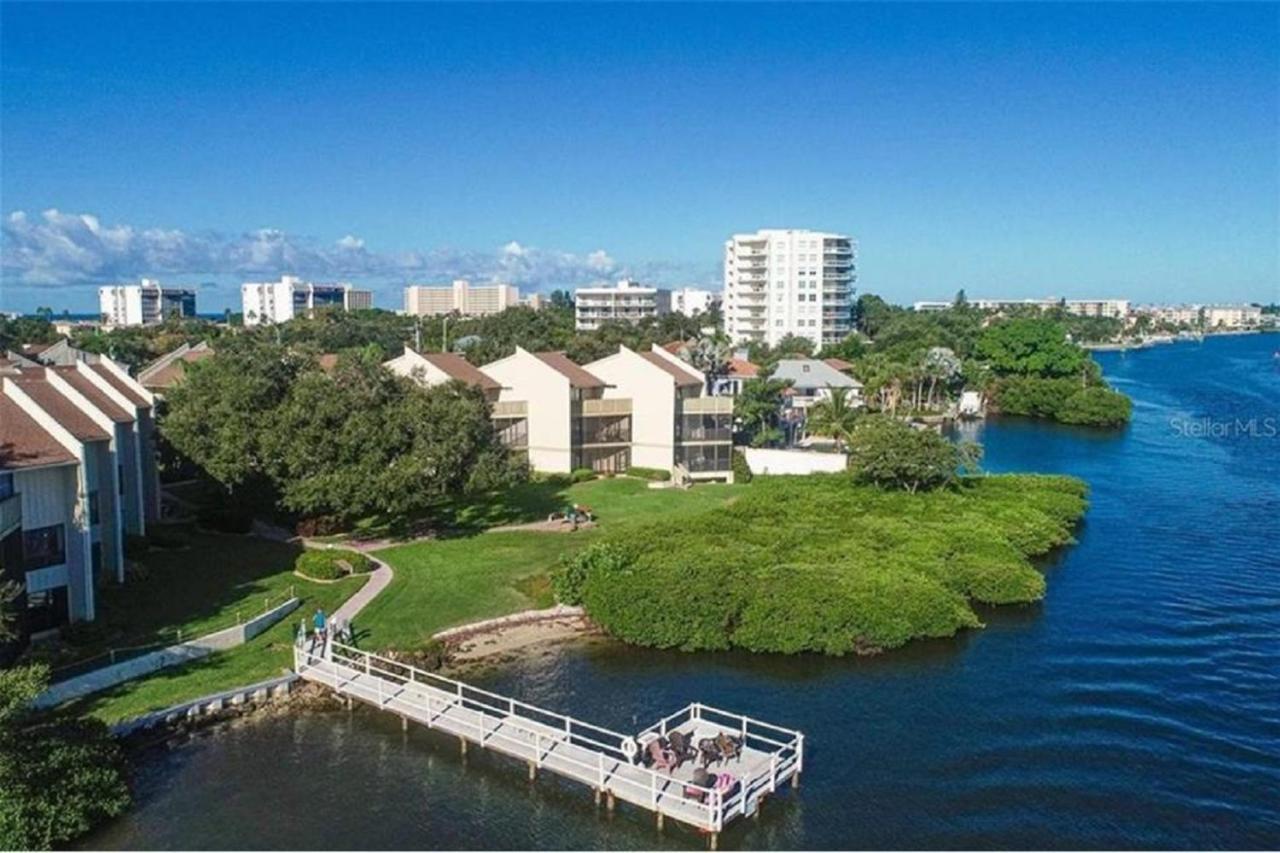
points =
(6, 486)
(120, 478)
(95, 513)
(44, 546)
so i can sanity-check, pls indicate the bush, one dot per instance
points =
(581, 475)
(135, 546)
(59, 775)
(741, 468)
(1096, 407)
(821, 564)
(1061, 400)
(225, 520)
(890, 454)
(655, 474)
(331, 564)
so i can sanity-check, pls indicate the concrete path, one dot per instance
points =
(378, 581)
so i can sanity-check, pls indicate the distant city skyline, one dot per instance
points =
(1015, 151)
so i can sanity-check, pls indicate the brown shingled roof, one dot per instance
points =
(680, 375)
(169, 369)
(33, 383)
(457, 367)
(94, 394)
(578, 378)
(120, 385)
(24, 443)
(742, 368)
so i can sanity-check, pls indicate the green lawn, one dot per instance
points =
(438, 584)
(449, 582)
(264, 657)
(204, 587)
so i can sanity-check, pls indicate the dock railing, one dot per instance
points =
(785, 748)
(514, 726)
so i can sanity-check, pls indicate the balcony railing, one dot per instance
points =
(511, 409)
(708, 406)
(604, 407)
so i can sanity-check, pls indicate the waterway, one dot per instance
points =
(1137, 707)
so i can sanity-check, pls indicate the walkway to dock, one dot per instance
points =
(607, 761)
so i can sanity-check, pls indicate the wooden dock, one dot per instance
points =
(602, 759)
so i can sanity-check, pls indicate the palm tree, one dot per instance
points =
(833, 417)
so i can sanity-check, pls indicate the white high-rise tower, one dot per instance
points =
(780, 282)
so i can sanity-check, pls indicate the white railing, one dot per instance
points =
(784, 747)
(504, 721)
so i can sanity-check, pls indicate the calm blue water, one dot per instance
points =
(1137, 707)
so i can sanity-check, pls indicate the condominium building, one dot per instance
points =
(568, 424)
(461, 297)
(690, 300)
(1232, 316)
(144, 304)
(789, 282)
(279, 301)
(439, 368)
(74, 467)
(627, 302)
(663, 391)
(1117, 309)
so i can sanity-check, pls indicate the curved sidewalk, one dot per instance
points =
(378, 581)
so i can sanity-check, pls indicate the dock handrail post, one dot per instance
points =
(537, 748)
(773, 772)
(653, 790)
(799, 753)
(600, 767)
(717, 810)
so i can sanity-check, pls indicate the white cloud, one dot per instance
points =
(55, 249)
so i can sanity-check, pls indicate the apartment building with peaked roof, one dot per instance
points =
(674, 424)
(71, 485)
(561, 408)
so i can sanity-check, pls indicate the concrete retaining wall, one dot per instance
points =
(765, 460)
(180, 653)
(252, 694)
(524, 617)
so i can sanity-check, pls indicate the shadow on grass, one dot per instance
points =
(450, 519)
(204, 587)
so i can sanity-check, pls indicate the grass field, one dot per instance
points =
(448, 582)
(439, 583)
(198, 589)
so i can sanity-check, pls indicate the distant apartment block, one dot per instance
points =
(144, 304)
(627, 302)
(266, 303)
(1117, 309)
(690, 300)
(77, 474)
(461, 297)
(789, 282)
(1232, 316)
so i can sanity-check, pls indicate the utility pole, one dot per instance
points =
(417, 334)
(444, 334)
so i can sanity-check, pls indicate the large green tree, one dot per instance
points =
(1031, 347)
(891, 454)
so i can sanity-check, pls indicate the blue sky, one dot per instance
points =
(1013, 150)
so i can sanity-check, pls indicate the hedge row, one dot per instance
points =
(820, 564)
(331, 564)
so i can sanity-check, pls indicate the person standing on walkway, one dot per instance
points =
(320, 624)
